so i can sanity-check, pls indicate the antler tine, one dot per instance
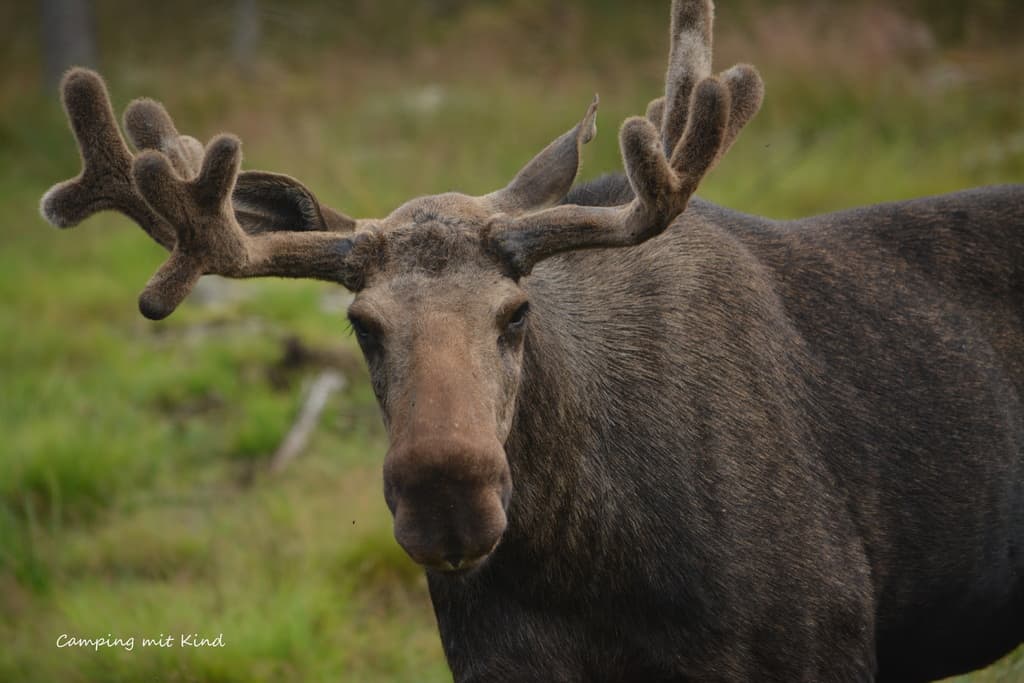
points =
(149, 126)
(210, 240)
(656, 111)
(105, 181)
(746, 93)
(689, 62)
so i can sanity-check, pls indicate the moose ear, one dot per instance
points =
(549, 176)
(272, 202)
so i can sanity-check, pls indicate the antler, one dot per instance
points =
(181, 196)
(105, 181)
(210, 240)
(699, 119)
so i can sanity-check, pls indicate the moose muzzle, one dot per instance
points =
(448, 497)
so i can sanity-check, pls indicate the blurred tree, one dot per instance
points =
(68, 32)
(970, 21)
(445, 8)
(248, 26)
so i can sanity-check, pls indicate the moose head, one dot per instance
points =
(441, 308)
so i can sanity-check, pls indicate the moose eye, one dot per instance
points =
(518, 318)
(364, 334)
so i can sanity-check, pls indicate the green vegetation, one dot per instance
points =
(134, 498)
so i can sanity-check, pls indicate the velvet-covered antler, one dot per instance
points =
(665, 153)
(214, 219)
(182, 195)
(105, 182)
(210, 240)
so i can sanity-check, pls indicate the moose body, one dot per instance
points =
(757, 450)
(635, 437)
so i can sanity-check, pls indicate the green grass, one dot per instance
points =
(133, 493)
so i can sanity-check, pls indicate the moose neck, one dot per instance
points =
(546, 448)
(584, 374)
(673, 330)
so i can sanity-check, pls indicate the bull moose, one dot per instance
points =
(639, 437)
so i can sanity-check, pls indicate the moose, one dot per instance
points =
(637, 436)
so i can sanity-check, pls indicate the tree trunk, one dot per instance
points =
(68, 37)
(247, 29)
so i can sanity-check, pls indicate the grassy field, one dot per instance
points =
(134, 494)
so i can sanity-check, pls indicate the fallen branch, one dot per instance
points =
(327, 382)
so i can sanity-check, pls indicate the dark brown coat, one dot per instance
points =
(755, 450)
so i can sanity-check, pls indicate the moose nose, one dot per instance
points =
(450, 536)
(448, 502)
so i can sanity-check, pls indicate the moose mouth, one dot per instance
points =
(460, 566)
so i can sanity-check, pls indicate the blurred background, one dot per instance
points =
(137, 496)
